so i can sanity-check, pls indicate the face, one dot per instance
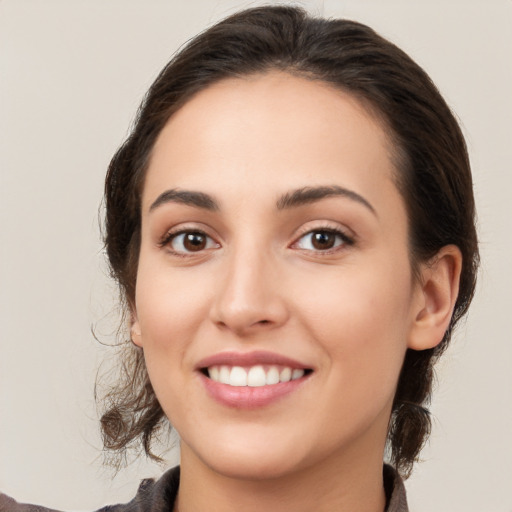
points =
(274, 298)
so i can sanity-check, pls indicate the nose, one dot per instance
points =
(250, 295)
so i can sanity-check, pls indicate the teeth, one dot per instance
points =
(223, 375)
(297, 374)
(214, 373)
(255, 376)
(285, 375)
(272, 375)
(237, 377)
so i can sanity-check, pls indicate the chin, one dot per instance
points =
(256, 467)
(247, 456)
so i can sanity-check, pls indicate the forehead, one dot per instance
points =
(272, 130)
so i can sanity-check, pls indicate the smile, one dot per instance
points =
(253, 376)
(252, 380)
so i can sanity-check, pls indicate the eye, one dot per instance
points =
(322, 240)
(185, 242)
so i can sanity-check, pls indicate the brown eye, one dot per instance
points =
(194, 241)
(191, 241)
(322, 240)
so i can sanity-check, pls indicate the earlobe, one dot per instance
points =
(439, 290)
(135, 332)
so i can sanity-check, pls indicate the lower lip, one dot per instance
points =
(247, 397)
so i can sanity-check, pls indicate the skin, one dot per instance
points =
(348, 312)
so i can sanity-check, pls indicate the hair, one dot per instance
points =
(432, 174)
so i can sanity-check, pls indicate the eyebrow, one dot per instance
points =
(293, 199)
(308, 195)
(188, 197)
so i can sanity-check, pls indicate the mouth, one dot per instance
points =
(254, 376)
(251, 380)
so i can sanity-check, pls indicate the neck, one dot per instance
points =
(353, 485)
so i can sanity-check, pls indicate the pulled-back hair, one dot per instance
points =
(432, 174)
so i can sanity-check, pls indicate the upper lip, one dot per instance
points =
(249, 359)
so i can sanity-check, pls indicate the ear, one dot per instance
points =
(437, 293)
(135, 332)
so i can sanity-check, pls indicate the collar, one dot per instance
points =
(160, 495)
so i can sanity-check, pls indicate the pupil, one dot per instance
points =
(195, 242)
(323, 240)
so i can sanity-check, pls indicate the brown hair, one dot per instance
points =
(433, 176)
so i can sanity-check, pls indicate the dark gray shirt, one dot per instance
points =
(159, 496)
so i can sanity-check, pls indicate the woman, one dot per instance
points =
(291, 223)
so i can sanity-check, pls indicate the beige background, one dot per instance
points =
(72, 75)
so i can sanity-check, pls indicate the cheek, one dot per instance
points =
(171, 308)
(363, 333)
(171, 305)
(361, 317)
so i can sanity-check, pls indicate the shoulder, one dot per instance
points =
(395, 491)
(152, 496)
(10, 505)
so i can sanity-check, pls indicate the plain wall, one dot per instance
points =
(72, 75)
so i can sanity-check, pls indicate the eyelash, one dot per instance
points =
(343, 239)
(170, 236)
